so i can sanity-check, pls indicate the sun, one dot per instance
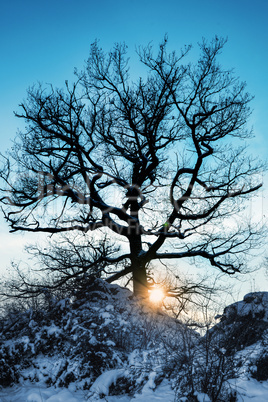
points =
(156, 295)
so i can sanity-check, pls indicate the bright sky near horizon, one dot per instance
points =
(45, 40)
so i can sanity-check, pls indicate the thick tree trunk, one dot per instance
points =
(140, 284)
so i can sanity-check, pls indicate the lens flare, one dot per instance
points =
(156, 295)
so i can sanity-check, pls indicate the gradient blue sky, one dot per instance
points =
(44, 40)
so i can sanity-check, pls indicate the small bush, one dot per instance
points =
(261, 371)
(8, 371)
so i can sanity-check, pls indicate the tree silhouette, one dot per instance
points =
(155, 163)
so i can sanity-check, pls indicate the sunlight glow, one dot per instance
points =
(156, 295)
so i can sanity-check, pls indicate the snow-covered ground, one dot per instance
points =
(40, 393)
(109, 347)
(248, 391)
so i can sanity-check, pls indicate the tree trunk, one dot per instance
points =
(140, 284)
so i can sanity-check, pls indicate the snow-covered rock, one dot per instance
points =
(253, 306)
(244, 323)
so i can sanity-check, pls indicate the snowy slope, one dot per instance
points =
(77, 341)
(104, 345)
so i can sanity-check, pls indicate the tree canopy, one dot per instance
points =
(158, 164)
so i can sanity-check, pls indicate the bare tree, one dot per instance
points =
(156, 163)
(63, 267)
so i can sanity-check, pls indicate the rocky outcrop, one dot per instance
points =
(253, 306)
(244, 323)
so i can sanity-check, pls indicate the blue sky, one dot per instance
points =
(44, 40)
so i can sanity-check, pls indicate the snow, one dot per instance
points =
(52, 330)
(102, 384)
(250, 390)
(132, 357)
(28, 392)
(202, 397)
(150, 384)
(133, 349)
(39, 393)
(161, 393)
(252, 303)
